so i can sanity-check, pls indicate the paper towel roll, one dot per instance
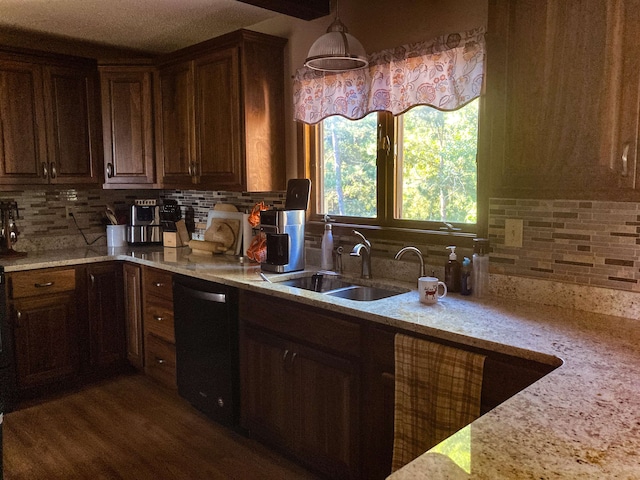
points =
(247, 233)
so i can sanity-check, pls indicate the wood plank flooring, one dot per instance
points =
(131, 428)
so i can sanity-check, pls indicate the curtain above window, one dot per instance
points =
(445, 73)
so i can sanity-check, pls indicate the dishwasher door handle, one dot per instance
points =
(199, 294)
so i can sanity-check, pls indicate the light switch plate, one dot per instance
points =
(513, 232)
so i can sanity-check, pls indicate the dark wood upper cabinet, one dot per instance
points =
(127, 123)
(561, 116)
(220, 115)
(23, 143)
(50, 124)
(72, 124)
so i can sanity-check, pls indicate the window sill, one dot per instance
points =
(406, 236)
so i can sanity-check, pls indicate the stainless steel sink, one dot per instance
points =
(336, 286)
(364, 294)
(327, 283)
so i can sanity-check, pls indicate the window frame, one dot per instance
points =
(385, 226)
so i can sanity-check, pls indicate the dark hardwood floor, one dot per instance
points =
(131, 428)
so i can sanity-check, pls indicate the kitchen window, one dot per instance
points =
(415, 170)
(393, 147)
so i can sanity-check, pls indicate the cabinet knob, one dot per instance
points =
(159, 361)
(158, 284)
(54, 172)
(45, 170)
(158, 318)
(109, 170)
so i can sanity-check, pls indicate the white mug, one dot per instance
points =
(428, 290)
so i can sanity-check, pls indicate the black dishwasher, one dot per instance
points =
(206, 330)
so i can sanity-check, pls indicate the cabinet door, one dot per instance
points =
(45, 334)
(127, 125)
(23, 154)
(107, 344)
(266, 387)
(133, 314)
(175, 115)
(70, 99)
(556, 82)
(218, 153)
(326, 430)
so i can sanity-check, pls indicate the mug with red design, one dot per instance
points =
(428, 290)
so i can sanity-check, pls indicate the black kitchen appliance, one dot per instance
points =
(144, 223)
(206, 332)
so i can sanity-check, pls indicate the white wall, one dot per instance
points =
(378, 24)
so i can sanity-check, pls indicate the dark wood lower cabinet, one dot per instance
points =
(107, 338)
(45, 333)
(297, 395)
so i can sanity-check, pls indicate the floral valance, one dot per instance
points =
(446, 73)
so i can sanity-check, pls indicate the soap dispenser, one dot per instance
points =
(452, 271)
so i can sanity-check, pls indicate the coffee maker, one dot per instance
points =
(284, 230)
(144, 223)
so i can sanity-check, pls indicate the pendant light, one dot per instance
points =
(337, 50)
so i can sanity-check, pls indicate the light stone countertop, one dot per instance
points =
(580, 421)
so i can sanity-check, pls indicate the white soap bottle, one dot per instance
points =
(326, 255)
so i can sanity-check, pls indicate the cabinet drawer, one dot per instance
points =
(158, 283)
(160, 360)
(301, 323)
(42, 282)
(158, 318)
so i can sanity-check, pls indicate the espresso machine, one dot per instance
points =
(284, 230)
(8, 229)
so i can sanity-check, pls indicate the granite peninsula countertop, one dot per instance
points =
(580, 421)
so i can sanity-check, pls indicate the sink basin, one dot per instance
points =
(363, 294)
(329, 282)
(335, 286)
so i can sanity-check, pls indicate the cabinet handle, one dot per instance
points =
(43, 285)
(158, 284)
(18, 318)
(45, 170)
(92, 277)
(191, 169)
(625, 163)
(284, 357)
(159, 361)
(293, 357)
(54, 173)
(109, 170)
(158, 318)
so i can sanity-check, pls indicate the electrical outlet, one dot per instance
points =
(69, 211)
(513, 232)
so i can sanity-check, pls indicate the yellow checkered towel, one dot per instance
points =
(437, 392)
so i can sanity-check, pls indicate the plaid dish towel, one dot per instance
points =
(437, 392)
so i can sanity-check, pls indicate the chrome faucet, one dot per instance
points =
(415, 250)
(363, 250)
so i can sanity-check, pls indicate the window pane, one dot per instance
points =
(348, 169)
(437, 161)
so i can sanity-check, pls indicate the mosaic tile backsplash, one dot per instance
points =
(580, 242)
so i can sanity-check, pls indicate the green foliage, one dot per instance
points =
(350, 170)
(437, 159)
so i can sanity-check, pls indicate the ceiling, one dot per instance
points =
(157, 26)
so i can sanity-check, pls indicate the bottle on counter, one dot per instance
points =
(480, 267)
(452, 271)
(465, 277)
(326, 255)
